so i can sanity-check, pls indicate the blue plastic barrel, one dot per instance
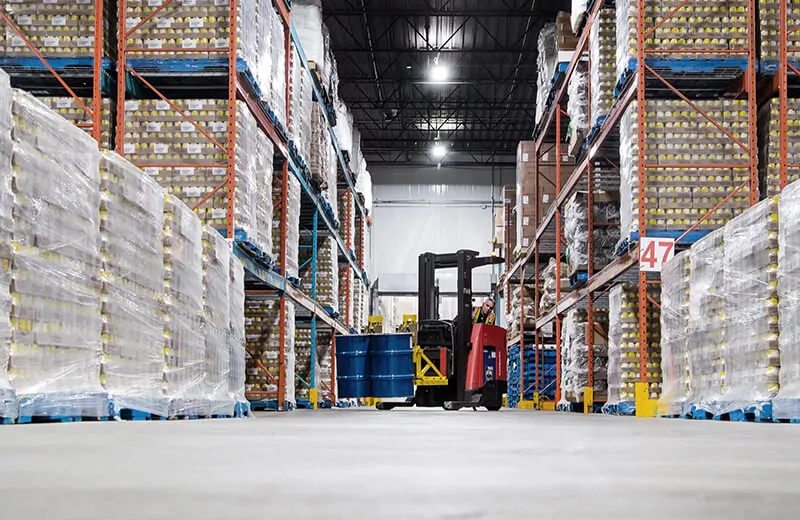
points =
(392, 365)
(352, 365)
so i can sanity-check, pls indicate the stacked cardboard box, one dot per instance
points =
(505, 225)
(602, 57)
(70, 109)
(262, 319)
(8, 401)
(707, 25)
(707, 328)
(575, 356)
(184, 368)
(675, 321)
(556, 45)
(624, 356)
(56, 347)
(132, 249)
(576, 230)
(292, 237)
(752, 354)
(236, 341)
(56, 28)
(216, 321)
(769, 15)
(770, 144)
(684, 188)
(158, 135)
(327, 274)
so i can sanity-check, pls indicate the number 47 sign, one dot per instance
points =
(653, 252)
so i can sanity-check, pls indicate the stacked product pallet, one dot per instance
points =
(751, 355)
(56, 346)
(70, 109)
(320, 151)
(300, 110)
(184, 367)
(556, 45)
(216, 321)
(156, 134)
(262, 318)
(292, 237)
(575, 357)
(624, 356)
(576, 231)
(346, 293)
(236, 341)
(302, 362)
(707, 326)
(709, 25)
(675, 322)
(577, 105)
(770, 144)
(57, 29)
(602, 58)
(327, 286)
(324, 361)
(8, 400)
(769, 15)
(547, 298)
(787, 403)
(132, 249)
(682, 191)
(517, 311)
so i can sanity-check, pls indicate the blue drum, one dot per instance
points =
(392, 365)
(352, 366)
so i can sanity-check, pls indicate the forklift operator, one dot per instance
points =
(485, 314)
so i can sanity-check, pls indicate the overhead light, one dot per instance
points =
(408, 67)
(438, 151)
(438, 73)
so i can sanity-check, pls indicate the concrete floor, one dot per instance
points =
(364, 464)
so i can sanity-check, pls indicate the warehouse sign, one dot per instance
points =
(654, 252)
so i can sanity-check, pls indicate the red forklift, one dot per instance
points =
(458, 364)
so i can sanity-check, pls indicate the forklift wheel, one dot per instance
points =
(384, 406)
(494, 408)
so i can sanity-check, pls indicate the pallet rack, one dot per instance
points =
(637, 88)
(239, 86)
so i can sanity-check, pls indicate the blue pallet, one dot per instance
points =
(181, 65)
(761, 413)
(294, 281)
(264, 405)
(621, 408)
(701, 68)
(770, 67)
(7, 420)
(33, 63)
(129, 414)
(304, 404)
(242, 409)
(331, 311)
(65, 407)
(33, 419)
(690, 238)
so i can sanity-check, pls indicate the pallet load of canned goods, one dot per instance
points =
(687, 187)
(71, 110)
(262, 318)
(576, 230)
(675, 322)
(302, 362)
(132, 248)
(184, 368)
(769, 16)
(56, 28)
(8, 400)
(56, 346)
(216, 321)
(292, 236)
(300, 109)
(327, 282)
(157, 134)
(602, 59)
(235, 338)
(751, 355)
(575, 357)
(770, 144)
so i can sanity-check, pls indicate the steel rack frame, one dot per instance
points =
(635, 89)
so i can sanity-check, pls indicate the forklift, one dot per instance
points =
(457, 364)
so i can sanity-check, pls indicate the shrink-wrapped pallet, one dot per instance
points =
(56, 347)
(751, 355)
(262, 318)
(216, 321)
(327, 281)
(132, 233)
(575, 358)
(602, 58)
(71, 109)
(184, 368)
(576, 230)
(300, 109)
(675, 321)
(235, 338)
(770, 161)
(546, 62)
(8, 401)
(292, 237)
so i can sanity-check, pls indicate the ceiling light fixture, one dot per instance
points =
(438, 151)
(438, 73)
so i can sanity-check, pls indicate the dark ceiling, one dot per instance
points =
(385, 49)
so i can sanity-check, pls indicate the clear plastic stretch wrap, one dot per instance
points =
(132, 233)
(323, 372)
(770, 162)
(344, 126)
(300, 110)
(191, 24)
(576, 230)
(236, 345)
(217, 320)
(70, 109)
(578, 14)
(545, 67)
(8, 403)
(578, 99)
(292, 222)
(787, 403)
(332, 176)
(327, 274)
(623, 343)
(56, 348)
(677, 135)
(602, 56)
(307, 21)
(515, 317)
(321, 151)
(156, 135)
(262, 319)
(346, 297)
(707, 314)
(547, 299)
(575, 357)
(751, 355)
(277, 100)
(57, 29)
(675, 320)
(707, 25)
(184, 370)
(302, 362)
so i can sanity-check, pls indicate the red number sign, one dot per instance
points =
(653, 252)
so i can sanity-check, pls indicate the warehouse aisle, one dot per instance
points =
(429, 464)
